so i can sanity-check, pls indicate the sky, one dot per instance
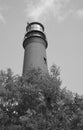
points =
(63, 22)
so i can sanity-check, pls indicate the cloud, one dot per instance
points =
(61, 17)
(2, 20)
(79, 13)
(40, 9)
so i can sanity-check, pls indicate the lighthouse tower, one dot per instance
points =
(35, 45)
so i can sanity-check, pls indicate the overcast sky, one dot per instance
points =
(64, 31)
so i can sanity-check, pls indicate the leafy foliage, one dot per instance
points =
(35, 101)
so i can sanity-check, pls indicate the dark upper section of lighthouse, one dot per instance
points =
(35, 30)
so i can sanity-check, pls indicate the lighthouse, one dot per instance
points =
(35, 45)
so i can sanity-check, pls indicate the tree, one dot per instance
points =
(35, 101)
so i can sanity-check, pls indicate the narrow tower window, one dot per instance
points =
(45, 61)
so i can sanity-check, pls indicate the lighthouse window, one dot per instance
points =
(45, 61)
